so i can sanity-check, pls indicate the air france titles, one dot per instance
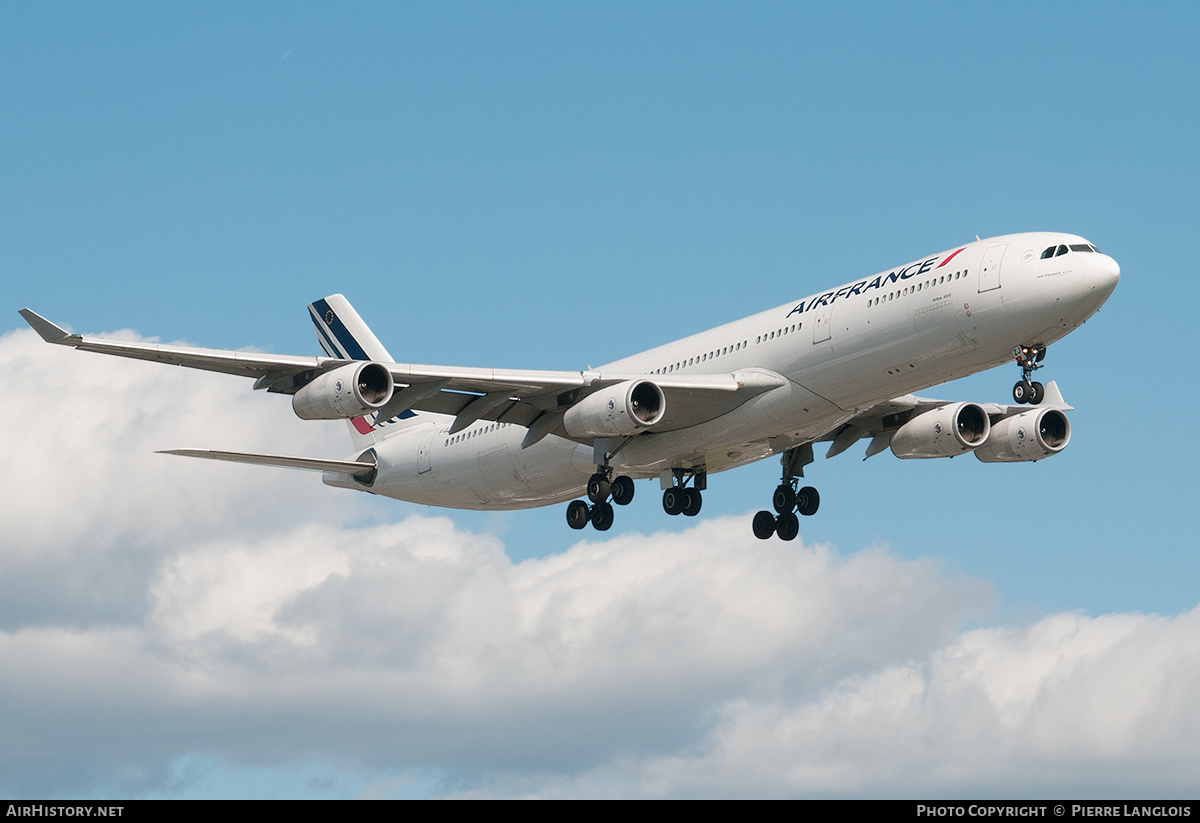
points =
(863, 286)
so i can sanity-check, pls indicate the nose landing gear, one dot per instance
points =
(1029, 358)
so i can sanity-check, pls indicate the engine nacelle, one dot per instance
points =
(347, 391)
(1030, 435)
(619, 410)
(942, 432)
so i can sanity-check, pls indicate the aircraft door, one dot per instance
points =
(423, 451)
(989, 270)
(821, 323)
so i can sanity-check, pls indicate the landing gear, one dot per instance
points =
(602, 517)
(578, 514)
(788, 526)
(764, 525)
(622, 490)
(678, 500)
(788, 499)
(600, 487)
(808, 501)
(681, 498)
(1029, 358)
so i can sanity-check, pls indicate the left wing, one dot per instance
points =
(536, 400)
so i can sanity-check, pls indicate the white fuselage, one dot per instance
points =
(938, 318)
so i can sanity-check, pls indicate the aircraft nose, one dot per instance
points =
(1104, 274)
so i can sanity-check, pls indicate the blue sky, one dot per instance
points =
(552, 186)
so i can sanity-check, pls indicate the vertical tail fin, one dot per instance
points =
(344, 335)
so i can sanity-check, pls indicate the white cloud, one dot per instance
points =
(268, 631)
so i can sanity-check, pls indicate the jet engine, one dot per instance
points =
(619, 410)
(942, 432)
(347, 391)
(1029, 435)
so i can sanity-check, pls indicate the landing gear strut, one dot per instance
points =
(683, 499)
(789, 499)
(1029, 358)
(600, 487)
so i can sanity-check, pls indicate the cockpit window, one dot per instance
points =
(1096, 250)
(1081, 247)
(1061, 251)
(1048, 253)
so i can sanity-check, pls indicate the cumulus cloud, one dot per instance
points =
(261, 625)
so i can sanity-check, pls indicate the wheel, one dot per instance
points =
(622, 490)
(673, 500)
(598, 488)
(578, 514)
(807, 501)
(692, 502)
(764, 525)
(787, 526)
(784, 499)
(1021, 391)
(1037, 393)
(602, 517)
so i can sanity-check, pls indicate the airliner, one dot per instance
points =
(836, 367)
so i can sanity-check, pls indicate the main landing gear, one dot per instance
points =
(1029, 358)
(789, 499)
(600, 487)
(682, 499)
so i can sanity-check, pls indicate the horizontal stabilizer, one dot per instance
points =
(316, 464)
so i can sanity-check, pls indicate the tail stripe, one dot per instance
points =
(327, 321)
(327, 342)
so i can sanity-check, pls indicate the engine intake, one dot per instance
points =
(619, 410)
(347, 391)
(946, 431)
(1029, 435)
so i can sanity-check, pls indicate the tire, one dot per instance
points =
(764, 525)
(692, 501)
(673, 500)
(622, 490)
(602, 517)
(1037, 394)
(785, 498)
(1021, 391)
(598, 488)
(578, 514)
(808, 501)
(788, 526)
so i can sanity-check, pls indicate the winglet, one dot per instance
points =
(49, 332)
(1053, 395)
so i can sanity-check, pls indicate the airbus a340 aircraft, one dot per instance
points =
(834, 367)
